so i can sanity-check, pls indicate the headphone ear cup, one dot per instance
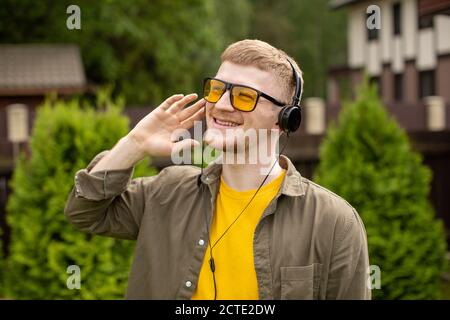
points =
(289, 118)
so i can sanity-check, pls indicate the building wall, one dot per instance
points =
(388, 48)
(426, 53)
(410, 53)
(356, 37)
(409, 18)
(422, 45)
(442, 27)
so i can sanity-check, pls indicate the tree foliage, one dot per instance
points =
(147, 49)
(367, 159)
(43, 244)
(309, 31)
(152, 49)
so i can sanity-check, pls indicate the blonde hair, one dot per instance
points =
(267, 58)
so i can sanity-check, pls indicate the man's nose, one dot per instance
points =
(224, 103)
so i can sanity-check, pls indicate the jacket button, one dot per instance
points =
(188, 284)
(201, 242)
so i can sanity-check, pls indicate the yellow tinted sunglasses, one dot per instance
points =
(242, 98)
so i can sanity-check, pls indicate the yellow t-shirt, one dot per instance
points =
(233, 254)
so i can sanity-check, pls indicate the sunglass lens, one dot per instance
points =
(244, 99)
(213, 90)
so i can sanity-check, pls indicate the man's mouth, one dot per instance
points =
(221, 123)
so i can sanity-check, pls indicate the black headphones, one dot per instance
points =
(290, 116)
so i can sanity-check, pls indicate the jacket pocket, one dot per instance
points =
(301, 283)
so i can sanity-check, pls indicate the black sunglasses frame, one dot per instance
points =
(230, 86)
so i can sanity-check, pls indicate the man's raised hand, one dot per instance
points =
(154, 133)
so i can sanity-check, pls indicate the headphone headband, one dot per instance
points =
(290, 116)
(298, 86)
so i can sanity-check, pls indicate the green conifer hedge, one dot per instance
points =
(367, 159)
(65, 138)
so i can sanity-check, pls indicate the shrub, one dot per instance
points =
(66, 136)
(367, 159)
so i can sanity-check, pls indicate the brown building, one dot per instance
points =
(27, 74)
(409, 59)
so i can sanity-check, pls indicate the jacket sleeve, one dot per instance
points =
(106, 203)
(348, 277)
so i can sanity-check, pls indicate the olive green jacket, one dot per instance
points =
(308, 244)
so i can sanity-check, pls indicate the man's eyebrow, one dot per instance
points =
(253, 86)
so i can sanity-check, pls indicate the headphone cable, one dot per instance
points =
(211, 258)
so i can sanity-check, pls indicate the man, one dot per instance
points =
(232, 230)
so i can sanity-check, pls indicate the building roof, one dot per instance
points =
(34, 69)
(432, 7)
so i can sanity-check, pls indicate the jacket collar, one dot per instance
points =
(291, 186)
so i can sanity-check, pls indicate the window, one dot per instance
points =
(426, 83)
(398, 87)
(396, 8)
(426, 22)
(372, 34)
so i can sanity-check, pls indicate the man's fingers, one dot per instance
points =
(189, 122)
(178, 105)
(189, 111)
(170, 100)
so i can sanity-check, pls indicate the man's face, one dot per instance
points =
(221, 116)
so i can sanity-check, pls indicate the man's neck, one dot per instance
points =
(243, 177)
